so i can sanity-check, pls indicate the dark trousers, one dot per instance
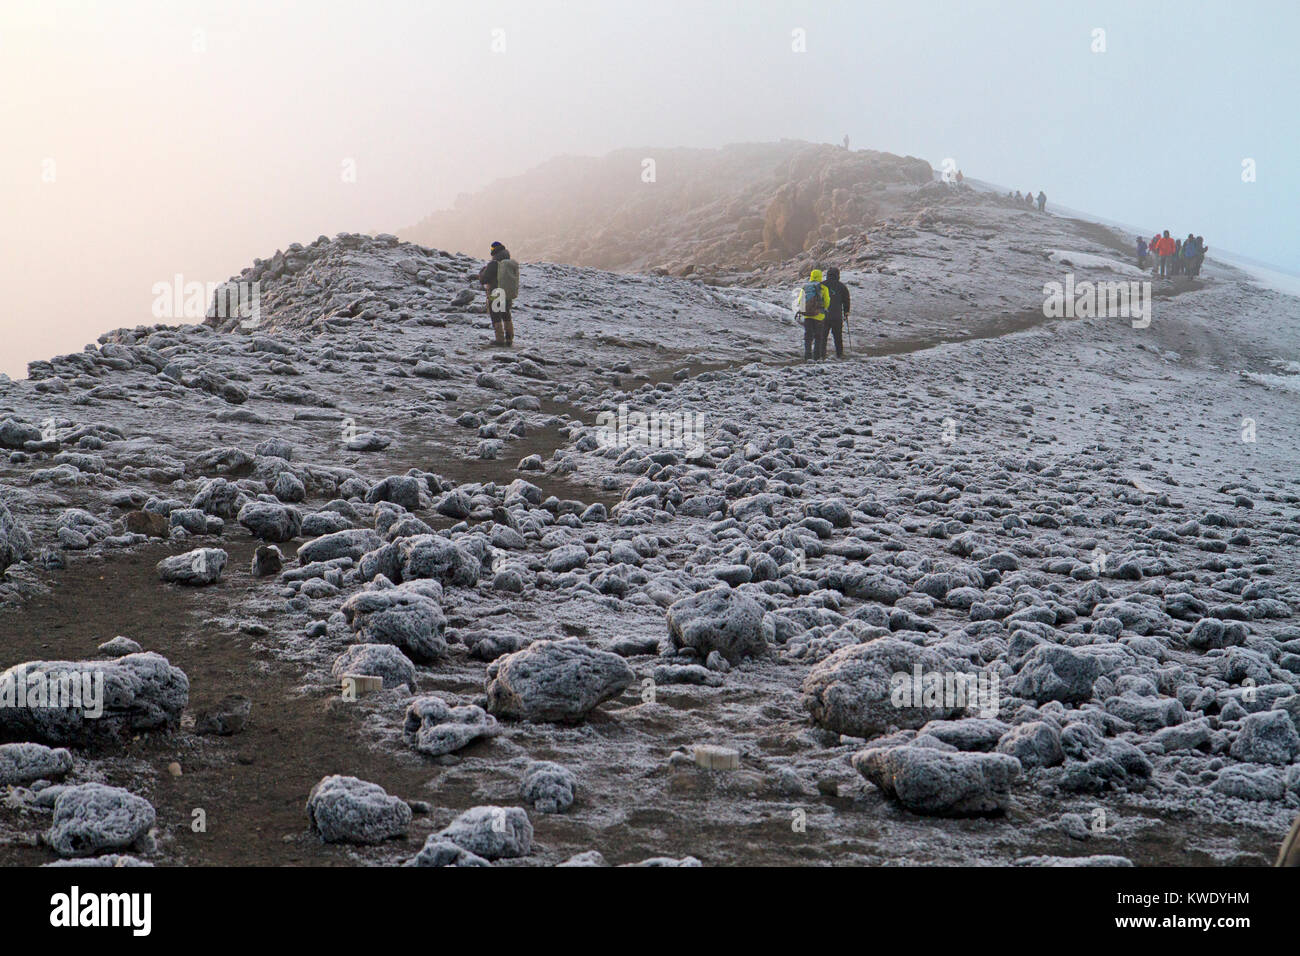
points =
(835, 325)
(502, 326)
(1164, 265)
(814, 338)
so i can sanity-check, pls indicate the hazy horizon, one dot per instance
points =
(147, 140)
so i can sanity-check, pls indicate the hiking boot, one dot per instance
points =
(1289, 855)
(510, 332)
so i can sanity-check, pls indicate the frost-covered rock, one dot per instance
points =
(221, 498)
(135, 693)
(1211, 633)
(493, 833)
(929, 780)
(376, 660)
(409, 492)
(439, 851)
(24, 762)
(566, 558)
(720, 619)
(348, 810)
(554, 681)
(1054, 672)
(547, 787)
(433, 727)
(404, 618)
(106, 861)
(857, 690)
(92, 818)
(586, 858)
(271, 522)
(15, 542)
(433, 556)
(352, 543)
(1267, 737)
(1035, 744)
(195, 568)
(267, 560)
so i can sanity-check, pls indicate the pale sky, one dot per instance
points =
(145, 139)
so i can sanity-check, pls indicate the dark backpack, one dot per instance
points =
(836, 306)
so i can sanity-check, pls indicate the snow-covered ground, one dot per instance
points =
(1098, 521)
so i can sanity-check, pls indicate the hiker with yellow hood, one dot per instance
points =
(811, 302)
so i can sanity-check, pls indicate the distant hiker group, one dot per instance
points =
(1028, 199)
(1168, 257)
(500, 280)
(823, 304)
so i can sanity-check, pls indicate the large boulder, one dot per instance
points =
(1268, 736)
(940, 782)
(864, 690)
(433, 727)
(16, 434)
(1054, 672)
(494, 833)
(146, 523)
(408, 620)
(219, 497)
(352, 543)
(271, 522)
(405, 490)
(867, 584)
(720, 619)
(554, 681)
(196, 568)
(104, 699)
(385, 661)
(436, 557)
(15, 542)
(92, 818)
(349, 810)
(1035, 743)
(22, 763)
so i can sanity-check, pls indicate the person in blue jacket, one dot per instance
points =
(1142, 252)
(1190, 252)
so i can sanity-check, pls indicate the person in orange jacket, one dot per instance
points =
(1165, 250)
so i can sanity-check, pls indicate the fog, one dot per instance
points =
(148, 140)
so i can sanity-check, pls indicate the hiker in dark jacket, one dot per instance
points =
(1142, 252)
(837, 313)
(1042, 200)
(498, 305)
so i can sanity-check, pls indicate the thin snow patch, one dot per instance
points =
(1086, 260)
(747, 299)
(1288, 379)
